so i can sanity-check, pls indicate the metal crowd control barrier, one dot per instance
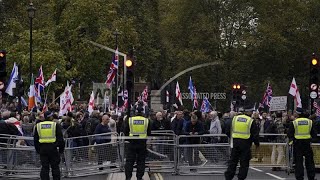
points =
(22, 161)
(202, 154)
(166, 152)
(161, 151)
(272, 151)
(86, 155)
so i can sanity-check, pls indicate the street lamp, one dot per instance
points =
(31, 13)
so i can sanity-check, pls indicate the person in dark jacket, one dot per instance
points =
(177, 123)
(243, 131)
(193, 127)
(160, 123)
(300, 133)
(46, 143)
(102, 128)
(137, 147)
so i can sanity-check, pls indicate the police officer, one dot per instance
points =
(47, 137)
(137, 127)
(300, 133)
(244, 131)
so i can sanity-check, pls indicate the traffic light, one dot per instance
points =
(3, 62)
(314, 76)
(130, 72)
(236, 93)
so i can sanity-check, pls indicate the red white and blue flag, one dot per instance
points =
(206, 106)
(266, 97)
(113, 69)
(39, 84)
(145, 94)
(193, 94)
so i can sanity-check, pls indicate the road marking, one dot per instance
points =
(160, 176)
(275, 176)
(259, 170)
(156, 176)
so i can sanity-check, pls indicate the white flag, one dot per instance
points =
(12, 79)
(178, 93)
(91, 103)
(53, 78)
(66, 100)
(294, 91)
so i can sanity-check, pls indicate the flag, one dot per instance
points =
(53, 78)
(294, 91)
(266, 97)
(195, 100)
(167, 96)
(193, 94)
(178, 93)
(66, 100)
(317, 107)
(31, 101)
(144, 95)
(205, 106)
(91, 103)
(125, 98)
(113, 69)
(39, 84)
(12, 80)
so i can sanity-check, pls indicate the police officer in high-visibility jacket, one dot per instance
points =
(138, 128)
(243, 131)
(47, 138)
(300, 133)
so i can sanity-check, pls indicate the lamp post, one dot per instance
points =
(31, 13)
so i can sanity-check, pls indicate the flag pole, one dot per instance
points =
(46, 94)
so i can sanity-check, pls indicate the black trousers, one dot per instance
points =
(136, 152)
(49, 156)
(303, 148)
(240, 151)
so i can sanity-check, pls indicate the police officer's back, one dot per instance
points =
(243, 132)
(300, 133)
(138, 128)
(47, 138)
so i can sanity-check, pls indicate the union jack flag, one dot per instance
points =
(317, 107)
(39, 84)
(266, 97)
(113, 69)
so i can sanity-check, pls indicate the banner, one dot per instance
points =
(278, 103)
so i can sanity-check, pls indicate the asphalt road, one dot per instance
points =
(253, 174)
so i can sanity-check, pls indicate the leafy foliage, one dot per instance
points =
(258, 41)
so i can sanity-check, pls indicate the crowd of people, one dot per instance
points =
(78, 122)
